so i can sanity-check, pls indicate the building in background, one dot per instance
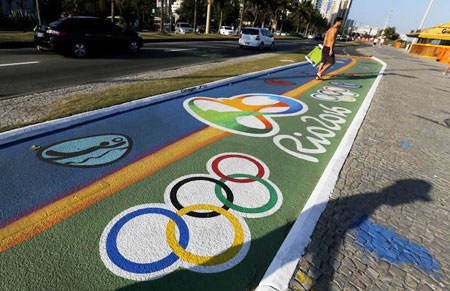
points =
(367, 30)
(339, 8)
(324, 7)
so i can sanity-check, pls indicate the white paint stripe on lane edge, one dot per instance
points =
(18, 64)
(280, 271)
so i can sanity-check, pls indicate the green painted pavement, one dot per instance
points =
(66, 256)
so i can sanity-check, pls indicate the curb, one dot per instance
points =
(18, 134)
(30, 44)
(283, 266)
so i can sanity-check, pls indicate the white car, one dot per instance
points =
(257, 38)
(226, 30)
(183, 28)
(311, 36)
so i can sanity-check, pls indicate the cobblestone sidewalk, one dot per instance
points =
(387, 225)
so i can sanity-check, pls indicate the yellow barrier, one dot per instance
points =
(426, 50)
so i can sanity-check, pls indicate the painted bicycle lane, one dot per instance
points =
(238, 182)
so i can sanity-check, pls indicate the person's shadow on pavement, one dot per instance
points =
(341, 216)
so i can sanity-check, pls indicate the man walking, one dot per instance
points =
(328, 58)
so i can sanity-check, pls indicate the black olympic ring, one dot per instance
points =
(177, 204)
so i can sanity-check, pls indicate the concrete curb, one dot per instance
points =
(66, 122)
(280, 271)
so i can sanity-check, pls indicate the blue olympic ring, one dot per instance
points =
(144, 268)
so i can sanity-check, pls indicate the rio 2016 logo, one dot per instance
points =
(248, 114)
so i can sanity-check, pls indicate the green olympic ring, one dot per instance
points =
(270, 204)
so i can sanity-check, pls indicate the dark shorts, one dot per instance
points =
(326, 58)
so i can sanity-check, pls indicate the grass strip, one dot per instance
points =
(16, 36)
(79, 103)
(29, 36)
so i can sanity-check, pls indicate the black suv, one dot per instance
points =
(81, 35)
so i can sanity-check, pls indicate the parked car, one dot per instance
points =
(202, 29)
(311, 36)
(319, 37)
(183, 28)
(226, 30)
(81, 35)
(296, 34)
(257, 38)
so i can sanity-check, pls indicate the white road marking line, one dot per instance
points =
(18, 64)
(180, 50)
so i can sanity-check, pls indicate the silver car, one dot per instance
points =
(182, 27)
(257, 38)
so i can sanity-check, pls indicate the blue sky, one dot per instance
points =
(406, 15)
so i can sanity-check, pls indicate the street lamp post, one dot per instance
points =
(426, 14)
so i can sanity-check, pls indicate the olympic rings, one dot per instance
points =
(178, 206)
(346, 85)
(271, 203)
(224, 257)
(335, 94)
(125, 255)
(216, 170)
(127, 265)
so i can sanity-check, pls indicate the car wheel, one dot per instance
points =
(261, 46)
(79, 50)
(272, 46)
(134, 46)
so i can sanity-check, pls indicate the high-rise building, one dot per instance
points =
(324, 7)
(339, 8)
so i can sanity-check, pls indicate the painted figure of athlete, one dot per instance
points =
(328, 58)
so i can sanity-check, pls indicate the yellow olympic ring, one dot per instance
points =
(206, 260)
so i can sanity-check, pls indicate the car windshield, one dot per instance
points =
(56, 23)
(250, 31)
(227, 27)
(184, 25)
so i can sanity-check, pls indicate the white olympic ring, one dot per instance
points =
(237, 186)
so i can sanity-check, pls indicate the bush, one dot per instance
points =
(18, 20)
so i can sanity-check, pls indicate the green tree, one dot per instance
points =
(390, 33)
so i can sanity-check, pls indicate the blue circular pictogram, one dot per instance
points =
(144, 268)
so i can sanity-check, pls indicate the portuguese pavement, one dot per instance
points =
(196, 192)
(387, 224)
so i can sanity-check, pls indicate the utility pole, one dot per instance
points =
(426, 14)
(195, 15)
(387, 20)
(161, 29)
(38, 11)
(208, 16)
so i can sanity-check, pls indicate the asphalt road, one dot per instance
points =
(24, 71)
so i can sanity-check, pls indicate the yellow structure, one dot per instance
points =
(431, 41)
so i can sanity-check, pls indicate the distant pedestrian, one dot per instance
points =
(375, 41)
(381, 42)
(328, 57)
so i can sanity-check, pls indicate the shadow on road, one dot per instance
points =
(340, 215)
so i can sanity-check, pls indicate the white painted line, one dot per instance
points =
(180, 50)
(283, 266)
(18, 64)
(65, 122)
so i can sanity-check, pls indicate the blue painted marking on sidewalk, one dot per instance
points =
(394, 248)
